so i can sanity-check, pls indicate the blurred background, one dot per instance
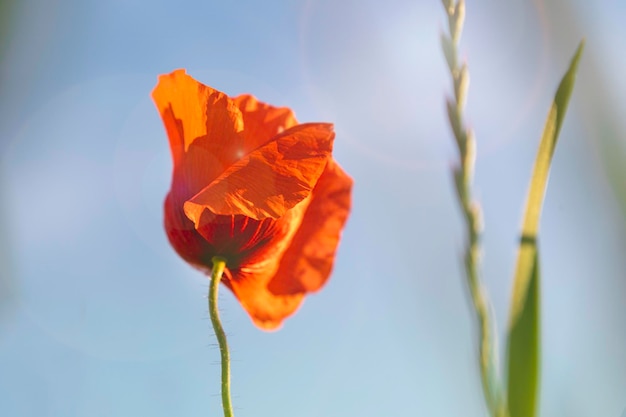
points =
(98, 315)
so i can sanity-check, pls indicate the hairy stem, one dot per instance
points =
(219, 264)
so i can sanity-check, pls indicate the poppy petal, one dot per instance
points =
(307, 262)
(191, 110)
(266, 310)
(262, 121)
(271, 179)
(272, 292)
(204, 127)
(184, 238)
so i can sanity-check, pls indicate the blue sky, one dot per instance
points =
(101, 318)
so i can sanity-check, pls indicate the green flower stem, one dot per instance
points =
(219, 264)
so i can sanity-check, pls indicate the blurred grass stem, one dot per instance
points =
(463, 177)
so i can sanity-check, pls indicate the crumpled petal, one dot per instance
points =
(271, 179)
(273, 290)
(262, 121)
(242, 240)
(184, 238)
(203, 126)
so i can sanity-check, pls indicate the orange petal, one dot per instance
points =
(184, 238)
(266, 310)
(307, 263)
(242, 240)
(262, 121)
(191, 111)
(273, 291)
(270, 180)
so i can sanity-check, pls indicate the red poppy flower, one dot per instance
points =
(253, 186)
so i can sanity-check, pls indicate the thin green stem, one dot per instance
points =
(219, 264)
(463, 178)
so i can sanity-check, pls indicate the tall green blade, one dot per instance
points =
(524, 344)
(524, 323)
